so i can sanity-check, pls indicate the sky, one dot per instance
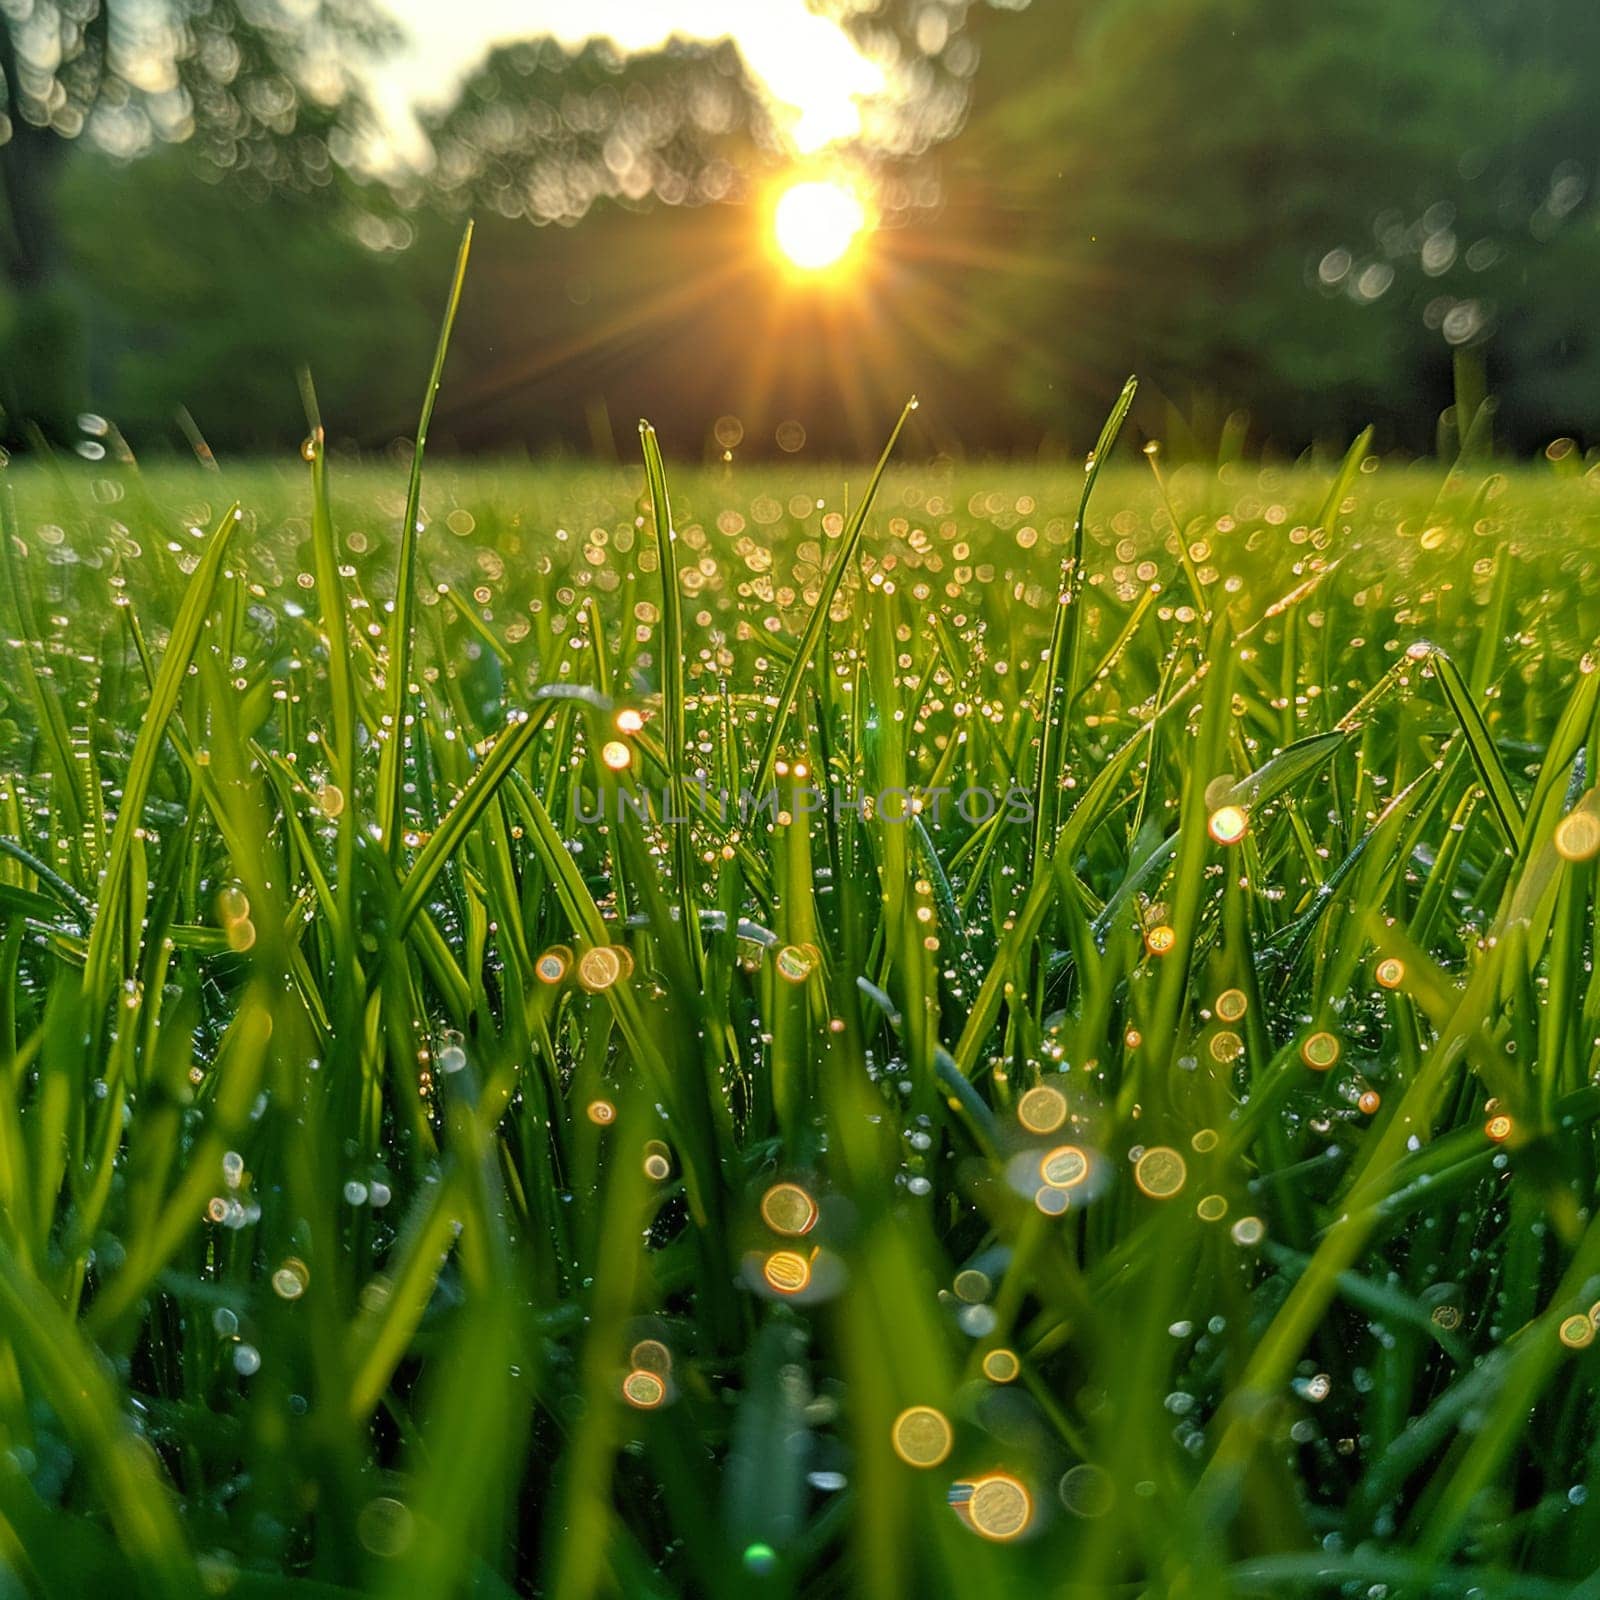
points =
(806, 62)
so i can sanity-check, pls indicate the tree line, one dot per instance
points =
(1294, 216)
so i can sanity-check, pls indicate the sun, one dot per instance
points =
(816, 222)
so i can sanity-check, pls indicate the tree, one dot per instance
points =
(1171, 183)
(198, 297)
(546, 133)
(260, 93)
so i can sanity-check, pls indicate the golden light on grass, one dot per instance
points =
(815, 223)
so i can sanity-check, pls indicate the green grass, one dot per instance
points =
(288, 1307)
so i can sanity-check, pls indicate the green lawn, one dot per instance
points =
(422, 1174)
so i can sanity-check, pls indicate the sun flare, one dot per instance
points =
(816, 222)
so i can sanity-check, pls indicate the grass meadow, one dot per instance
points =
(445, 1149)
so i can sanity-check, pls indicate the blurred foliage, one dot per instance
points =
(218, 304)
(1307, 212)
(545, 133)
(1252, 199)
(1305, 209)
(264, 94)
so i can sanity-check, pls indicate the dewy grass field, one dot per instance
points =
(1119, 1122)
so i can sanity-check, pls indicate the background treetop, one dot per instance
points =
(1314, 216)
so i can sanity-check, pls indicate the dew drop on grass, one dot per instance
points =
(922, 1436)
(789, 1209)
(760, 1559)
(644, 1390)
(650, 1355)
(786, 1271)
(1064, 1167)
(1160, 1172)
(997, 1506)
(1232, 1005)
(1228, 824)
(971, 1286)
(290, 1280)
(1086, 1490)
(1320, 1051)
(1042, 1109)
(1226, 1046)
(977, 1321)
(599, 968)
(1390, 972)
(385, 1527)
(1001, 1366)
(1577, 1332)
(551, 967)
(1577, 836)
